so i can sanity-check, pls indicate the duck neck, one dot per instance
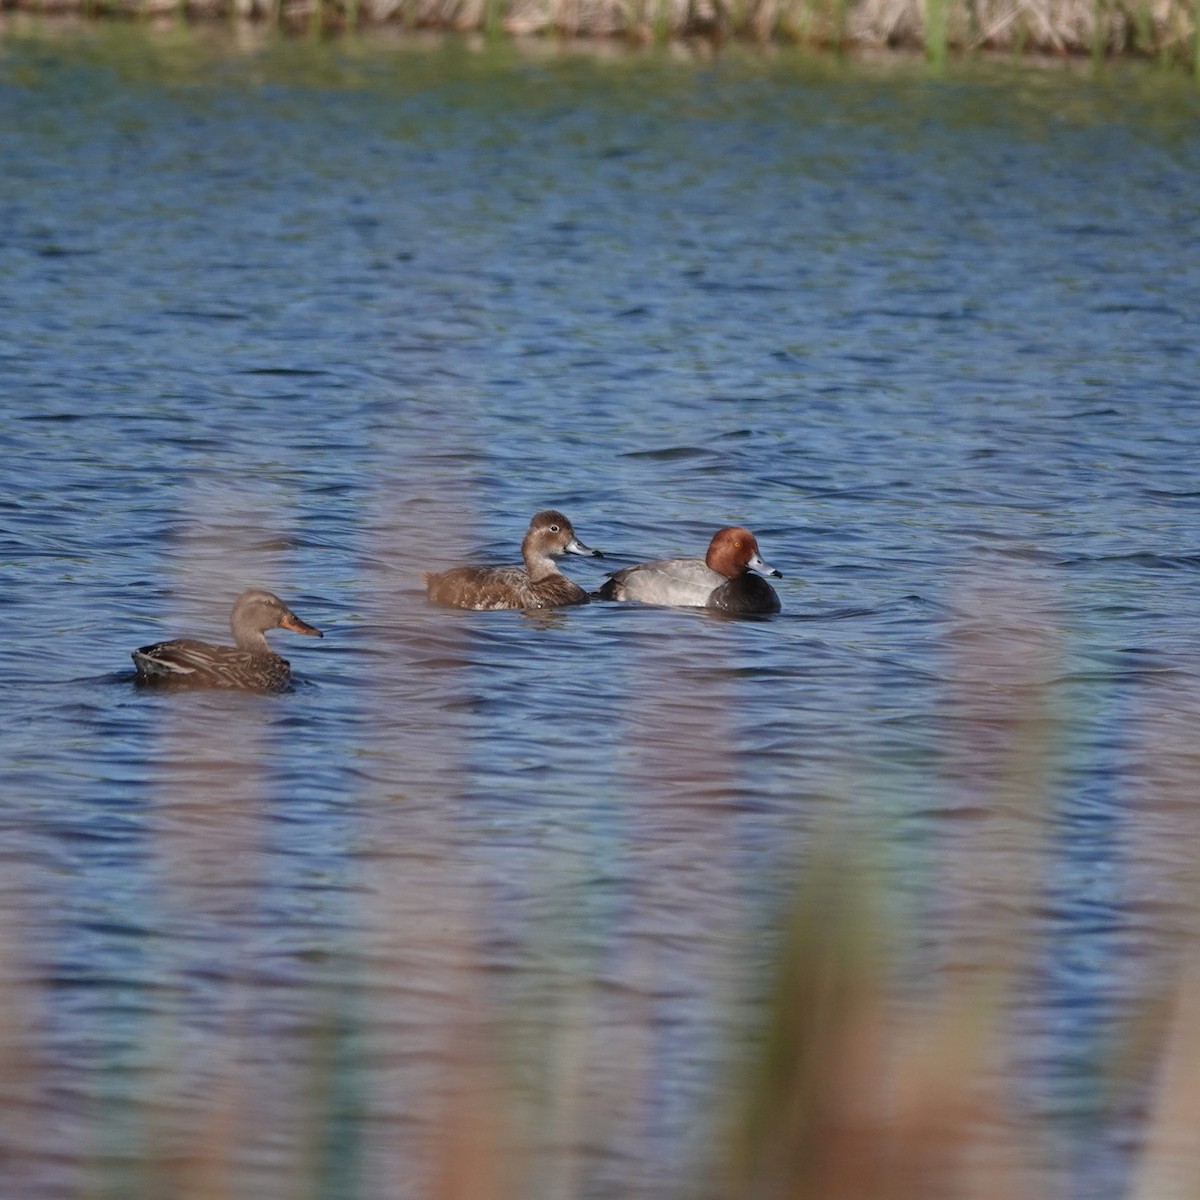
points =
(723, 564)
(539, 564)
(252, 640)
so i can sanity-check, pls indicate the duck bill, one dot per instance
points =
(575, 546)
(756, 564)
(293, 622)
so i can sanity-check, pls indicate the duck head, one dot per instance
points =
(733, 551)
(551, 535)
(255, 611)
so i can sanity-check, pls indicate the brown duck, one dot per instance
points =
(253, 666)
(538, 584)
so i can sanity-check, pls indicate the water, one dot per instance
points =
(316, 317)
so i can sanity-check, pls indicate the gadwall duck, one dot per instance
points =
(253, 666)
(722, 579)
(538, 584)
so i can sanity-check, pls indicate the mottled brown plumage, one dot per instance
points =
(253, 666)
(538, 584)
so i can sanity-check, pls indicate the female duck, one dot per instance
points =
(538, 584)
(253, 666)
(720, 580)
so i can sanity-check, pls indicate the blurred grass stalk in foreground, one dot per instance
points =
(875, 1079)
(876, 1062)
(869, 1082)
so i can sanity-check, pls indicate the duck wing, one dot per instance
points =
(683, 582)
(189, 662)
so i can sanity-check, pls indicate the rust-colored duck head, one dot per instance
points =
(733, 551)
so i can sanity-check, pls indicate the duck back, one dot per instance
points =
(681, 582)
(501, 587)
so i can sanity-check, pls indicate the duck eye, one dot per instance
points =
(553, 528)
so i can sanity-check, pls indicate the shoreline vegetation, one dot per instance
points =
(1165, 30)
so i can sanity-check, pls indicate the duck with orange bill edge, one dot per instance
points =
(251, 666)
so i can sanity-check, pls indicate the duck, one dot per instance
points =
(252, 666)
(721, 580)
(538, 584)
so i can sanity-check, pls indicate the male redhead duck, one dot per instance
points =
(538, 584)
(253, 666)
(720, 580)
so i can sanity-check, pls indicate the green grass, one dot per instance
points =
(935, 31)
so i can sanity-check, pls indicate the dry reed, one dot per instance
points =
(1160, 29)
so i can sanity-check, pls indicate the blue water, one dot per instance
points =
(318, 316)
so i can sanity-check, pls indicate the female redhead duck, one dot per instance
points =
(538, 584)
(720, 580)
(253, 666)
